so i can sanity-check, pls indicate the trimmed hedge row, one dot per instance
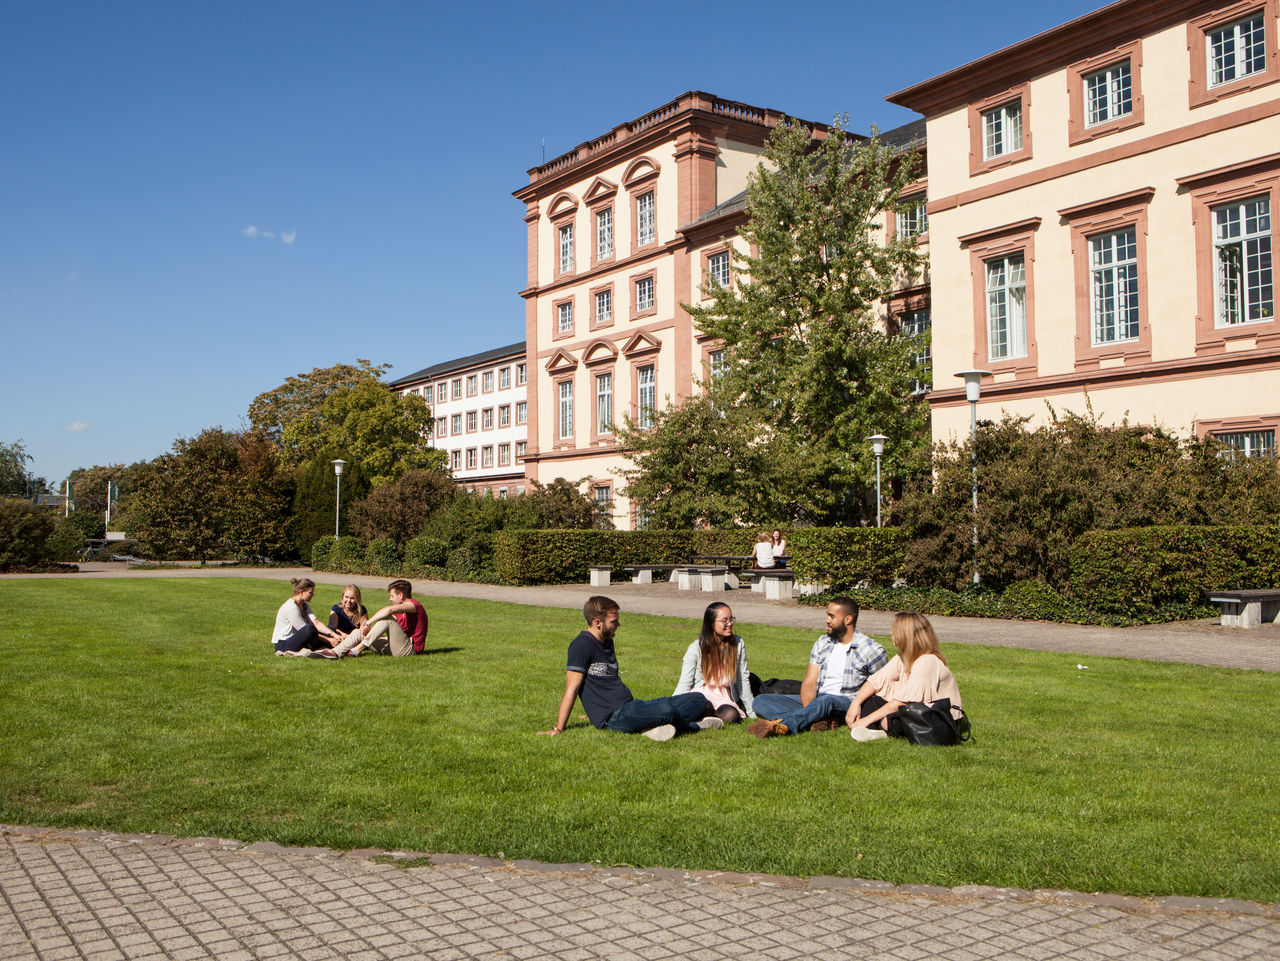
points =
(1144, 568)
(847, 556)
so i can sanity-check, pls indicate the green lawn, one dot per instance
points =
(156, 705)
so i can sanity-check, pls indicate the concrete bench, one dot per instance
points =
(601, 575)
(1247, 608)
(778, 585)
(699, 577)
(643, 573)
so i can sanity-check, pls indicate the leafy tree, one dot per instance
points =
(214, 495)
(705, 465)
(314, 499)
(806, 355)
(15, 479)
(398, 510)
(89, 485)
(562, 506)
(298, 401)
(382, 431)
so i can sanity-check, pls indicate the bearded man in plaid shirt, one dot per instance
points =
(839, 664)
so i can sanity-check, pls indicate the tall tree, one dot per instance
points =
(298, 401)
(15, 479)
(383, 431)
(807, 358)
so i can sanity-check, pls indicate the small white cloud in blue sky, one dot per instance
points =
(77, 426)
(253, 232)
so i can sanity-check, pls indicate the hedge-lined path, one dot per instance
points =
(1186, 642)
(105, 896)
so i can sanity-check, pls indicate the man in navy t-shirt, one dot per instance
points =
(592, 674)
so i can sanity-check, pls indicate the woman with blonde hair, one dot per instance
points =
(297, 629)
(349, 613)
(762, 554)
(917, 673)
(715, 666)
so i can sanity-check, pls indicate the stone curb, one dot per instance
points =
(1171, 904)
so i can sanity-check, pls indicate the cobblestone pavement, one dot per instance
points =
(102, 896)
(1188, 642)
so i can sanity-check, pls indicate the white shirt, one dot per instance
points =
(831, 680)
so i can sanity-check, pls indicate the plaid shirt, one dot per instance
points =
(865, 657)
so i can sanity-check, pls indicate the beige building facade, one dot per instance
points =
(1099, 221)
(623, 231)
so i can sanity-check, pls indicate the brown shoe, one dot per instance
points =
(826, 724)
(763, 728)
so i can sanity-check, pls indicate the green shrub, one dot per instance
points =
(1139, 570)
(424, 551)
(347, 555)
(90, 524)
(66, 541)
(461, 562)
(320, 552)
(382, 556)
(847, 556)
(25, 531)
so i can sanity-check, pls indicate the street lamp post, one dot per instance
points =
(972, 391)
(337, 503)
(877, 446)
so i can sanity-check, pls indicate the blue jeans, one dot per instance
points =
(798, 717)
(683, 711)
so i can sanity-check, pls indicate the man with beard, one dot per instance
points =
(839, 664)
(592, 674)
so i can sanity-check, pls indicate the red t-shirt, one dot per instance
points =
(414, 624)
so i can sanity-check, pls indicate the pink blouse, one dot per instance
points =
(929, 680)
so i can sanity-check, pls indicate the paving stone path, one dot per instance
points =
(105, 897)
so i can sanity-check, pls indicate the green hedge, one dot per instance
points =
(1143, 568)
(844, 557)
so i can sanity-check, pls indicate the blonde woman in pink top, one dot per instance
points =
(918, 672)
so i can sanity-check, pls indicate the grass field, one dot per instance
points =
(157, 706)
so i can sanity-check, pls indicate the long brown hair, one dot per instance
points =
(717, 659)
(913, 637)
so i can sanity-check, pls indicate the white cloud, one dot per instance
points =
(269, 234)
(288, 237)
(78, 426)
(250, 231)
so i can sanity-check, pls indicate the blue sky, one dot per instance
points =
(203, 198)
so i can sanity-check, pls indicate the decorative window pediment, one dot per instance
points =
(562, 205)
(639, 171)
(639, 344)
(600, 190)
(560, 362)
(599, 352)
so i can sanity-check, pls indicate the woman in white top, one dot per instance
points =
(297, 629)
(762, 555)
(715, 666)
(918, 672)
(779, 544)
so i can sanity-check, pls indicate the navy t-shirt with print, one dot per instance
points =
(602, 691)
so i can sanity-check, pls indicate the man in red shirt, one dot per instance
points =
(399, 629)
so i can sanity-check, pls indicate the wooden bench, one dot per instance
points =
(1248, 608)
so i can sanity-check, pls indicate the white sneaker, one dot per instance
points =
(712, 723)
(867, 734)
(663, 732)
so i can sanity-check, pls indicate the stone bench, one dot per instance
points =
(1247, 608)
(643, 573)
(778, 585)
(699, 577)
(601, 575)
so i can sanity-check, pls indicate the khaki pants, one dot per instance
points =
(385, 637)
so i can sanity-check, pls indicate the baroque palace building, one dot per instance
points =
(623, 231)
(1100, 221)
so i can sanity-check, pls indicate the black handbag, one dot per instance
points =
(922, 723)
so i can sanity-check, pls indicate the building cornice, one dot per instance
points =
(1028, 59)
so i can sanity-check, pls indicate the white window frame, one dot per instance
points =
(522, 448)
(1229, 46)
(471, 422)
(1113, 287)
(604, 233)
(472, 385)
(486, 418)
(566, 410)
(457, 388)
(455, 460)
(455, 424)
(565, 233)
(504, 415)
(504, 378)
(442, 392)
(522, 374)
(1108, 93)
(604, 403)
(522, 412)
(1002, 130)
(486, 456)
(504, 455)
(914, 324)
(646, 217)
(718, 268)
(646, 395)
(1243, 276)
(1249, 443)
(442, 426)
(1006, 289)
(564, 318)
(715, 363)
(645, 293)
(911, 218)
(604, 306)
(486, 382)
(471, 458)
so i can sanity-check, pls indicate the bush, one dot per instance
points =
(320, 552)
(347, 556)
(90, 524)
(461, 562)
(424, 551)
(25, 531)
(382, 556)
(66, 541)
(1141, 570)
(399, 509)
(847, 556)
